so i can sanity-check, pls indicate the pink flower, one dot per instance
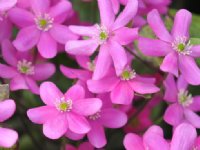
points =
(42, 27)
(122, 87)
(175, 47)
(110, 35)
(22, 70)
(8, 137)
(63, 112)
(183, 106)
(184, 137)
(82, 146)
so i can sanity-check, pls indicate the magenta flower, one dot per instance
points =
(153, 139)
(122, 87)
(42, 27)
(110, 35)
(22, 70)
(183, 106)
(82, 146)
(63, 111)
(8, 137)
(176, 47)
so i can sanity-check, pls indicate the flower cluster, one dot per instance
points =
(108, 91)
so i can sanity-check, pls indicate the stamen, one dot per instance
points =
(128, 74)
(182, 45)
(25, 67)
(184, 98)
(102, 34)
(44, 22)
(63, 105)
(95, 116)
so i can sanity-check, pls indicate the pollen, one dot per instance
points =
(25, 67)
(184, 98)
(102, 34)
(64, 105)
(44, 22)
(128, 74)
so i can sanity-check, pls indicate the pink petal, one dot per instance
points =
(174, 114)
(21, 17)
(182, 23)
(81, 47)
(170, 63)
(7, 109)
(116, 6)
(27, 38)
(32, 84)
(18, 83)
(181, 83)
(192, 117)
(127, 14)
(151, 47)
(83, 61)
(96, 136)
(84, 30)
(171, 90)
(118, 55)
(7, 71)
(87, 106)
(9, 137)
(104, 60)
(131, 141)
(107, 15)
(7, 4)
(143, 87)
(40, 7)
(76, 92)
(69, 147)
(195, 51)
(60, 11)
(62, 34)
(49, 93)
(183, 137)
(74, 136)
(158, 26)
(113, 118)
(42, 114)
(5, 29)
(86, 146)
(195, 106)
(189, 69)
(125, 35)
(77, 123)
(104, 85)
(155, 141)
(47, 46)
(44, 71)
(122, 94)
(55, 127)
(9, 53)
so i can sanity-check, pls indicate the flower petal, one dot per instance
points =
(152, 47)
(195, 51)
(32, 84)
(40, 7)
(76, 92)
(77, 123)
(195, 106)
(7, 4)
(183, 137)
(84, 30)
(127, 14)
(56, 127)
(131, 141)
(42, 114)
(189, 69)
(113, 118)
(18, 83)
(182, 21)
(47, 46)
(122, 94)
(27, 38)
(62, 34)
(192, 117)
(44, 71)
(49, 93)
(7, 71)
(96, 136)
(174, 114)
(9, 137)
(5, 29)
(170, 63)
(7, 109)
(158, 26)
(74, 136)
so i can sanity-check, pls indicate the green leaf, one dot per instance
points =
(195, 41)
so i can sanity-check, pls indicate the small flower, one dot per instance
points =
(128, 75)
(185, 98)
(44, 22)
(64, 105)
(25, 67)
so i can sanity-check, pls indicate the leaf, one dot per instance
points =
(195, 41)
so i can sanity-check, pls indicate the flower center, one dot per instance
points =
(182, 45)
(102, 34)
(25, 67)
(95, 116)
(128, 74)
(44, 22)
(184, 98)
(64, 105)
